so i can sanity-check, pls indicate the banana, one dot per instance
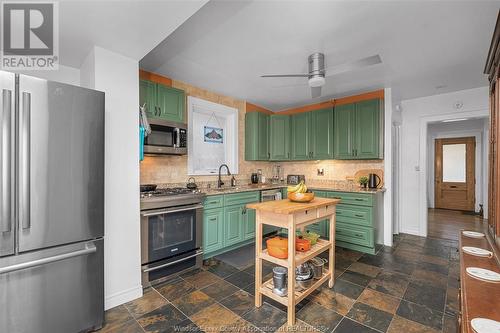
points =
(293, 189)
(304, 188)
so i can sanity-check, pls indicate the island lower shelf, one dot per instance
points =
(267, 290)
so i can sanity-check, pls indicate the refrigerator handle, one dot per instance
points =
(6, 174)
(89, 248)
(24, 161)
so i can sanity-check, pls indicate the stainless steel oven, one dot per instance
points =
(166, 137)
(171, 240)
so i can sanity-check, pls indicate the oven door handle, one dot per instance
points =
(167, 211)
(152, 269)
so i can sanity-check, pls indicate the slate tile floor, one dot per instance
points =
(411, 287)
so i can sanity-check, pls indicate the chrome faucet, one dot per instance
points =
(220, 182)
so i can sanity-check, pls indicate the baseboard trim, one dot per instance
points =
(122, 297)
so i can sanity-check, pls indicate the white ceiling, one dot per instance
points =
(130, 28)
(226, 46)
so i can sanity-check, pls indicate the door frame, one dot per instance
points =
(422, 165)
(470, 171)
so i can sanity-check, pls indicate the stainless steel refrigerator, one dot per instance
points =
(51, 206)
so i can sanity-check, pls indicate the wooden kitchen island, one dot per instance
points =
(293, 216)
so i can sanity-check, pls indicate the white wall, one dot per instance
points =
(388, 227)
(416, 115)
(64, 74)
(475, 128)
(117, 76)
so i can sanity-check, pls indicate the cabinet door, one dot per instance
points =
(147, 96)
(213, 230)
(300, 147)
(233, 225)
(368, 140)
(279, 142)
(344, 117)
(256, 136)
(322, 134)
(249, 225)
(171, 103)
(263, 138)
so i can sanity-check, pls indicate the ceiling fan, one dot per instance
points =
(317, 71)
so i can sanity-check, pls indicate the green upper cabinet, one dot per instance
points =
(368, 127)
(343, 131)
(256, 136)
(358, 129)
(147, 97)
(171, 103)
(300, 145)
(321, 137)
(279, 143)
(162, 102)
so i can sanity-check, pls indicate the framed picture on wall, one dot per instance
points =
(213, 134)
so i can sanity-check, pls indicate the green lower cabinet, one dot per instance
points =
(249, 224)
(355, 237)
(227, 223)
(213, 230)
(233, 225)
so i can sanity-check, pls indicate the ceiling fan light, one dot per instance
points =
(316, 81)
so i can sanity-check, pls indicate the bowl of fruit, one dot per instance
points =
(300, 193)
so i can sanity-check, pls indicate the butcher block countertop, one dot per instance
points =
(289, 207)
(478, 298)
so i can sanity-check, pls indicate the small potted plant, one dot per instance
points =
(363, 181)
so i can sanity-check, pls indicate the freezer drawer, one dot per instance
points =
(57, 290)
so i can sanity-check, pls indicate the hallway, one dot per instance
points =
(446, 224)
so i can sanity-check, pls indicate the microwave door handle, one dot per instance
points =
(177, 137)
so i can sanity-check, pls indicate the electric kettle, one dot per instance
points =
(372, 180)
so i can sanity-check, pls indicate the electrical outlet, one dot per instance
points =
(321, 172)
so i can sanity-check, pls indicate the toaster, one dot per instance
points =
(295, 179)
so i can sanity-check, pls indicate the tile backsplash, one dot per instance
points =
(173, 169)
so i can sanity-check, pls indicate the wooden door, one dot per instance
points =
(344, 116)
(279, 142)
(322, 134)
(455, 173)
(300, 147)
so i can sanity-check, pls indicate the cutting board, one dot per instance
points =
(366, 172)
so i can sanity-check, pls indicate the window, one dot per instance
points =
(212, 137)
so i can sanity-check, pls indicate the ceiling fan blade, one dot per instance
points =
(315, 92)
(353, 65)
(286, 75)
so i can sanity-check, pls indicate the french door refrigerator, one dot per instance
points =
(51, 206)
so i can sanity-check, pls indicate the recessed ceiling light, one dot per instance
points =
(454, 120)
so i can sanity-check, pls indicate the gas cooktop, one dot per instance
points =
(170, 197)
(167, 192)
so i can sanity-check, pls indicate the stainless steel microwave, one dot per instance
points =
(166, 137)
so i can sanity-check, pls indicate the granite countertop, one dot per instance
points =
(312, 186)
